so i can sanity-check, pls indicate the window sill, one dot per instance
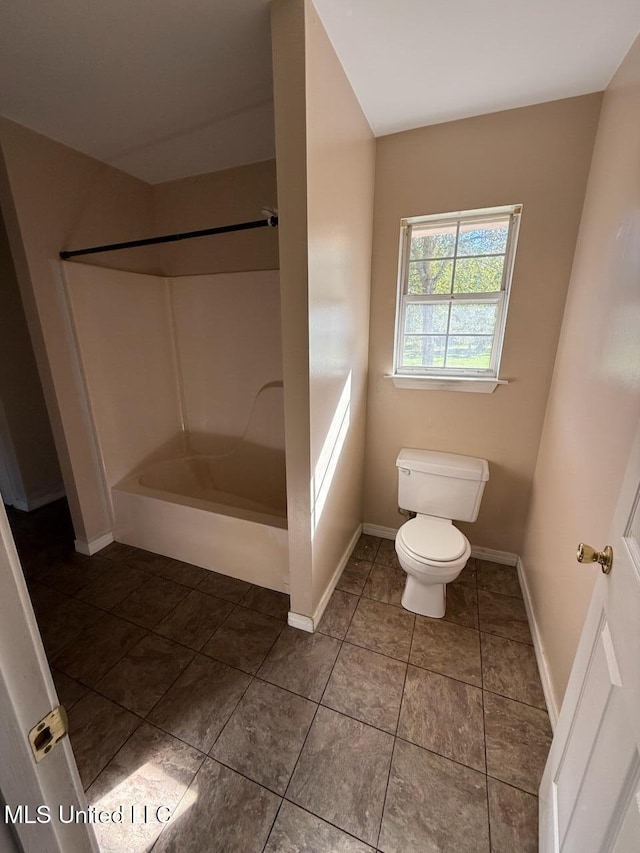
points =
(473, 384)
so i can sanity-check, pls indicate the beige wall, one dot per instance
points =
(30, 443)
(52, 198)
(539, 157)
(594, 403)
(325, 188)
(219, 198)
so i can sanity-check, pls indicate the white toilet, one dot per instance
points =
(439, 488)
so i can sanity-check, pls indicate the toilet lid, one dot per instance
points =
(432, 539)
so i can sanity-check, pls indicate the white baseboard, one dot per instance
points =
(310, 623)
(297, 620)
(377, 530)
(541, 658)
(91, 548)
(505, 558)
(37, 501)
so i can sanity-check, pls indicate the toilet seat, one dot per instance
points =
(433, 541)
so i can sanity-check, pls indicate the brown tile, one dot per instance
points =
(200, 702)
(300, 662)
(267, 601)
(113, 586)
(244, 639)
(222, 586)
(354, 576)
(342, 773)
(366, 547)
(447, 648)
(150, 602)
(469, 574)
(367, 686)
(382, 628)
(102, 645)
(462, 605)
(223, 812)
(73, 572)
(152, 769)
(337, 616)
(145, 673)
(69, 691)
(433, 805)
(182, 573)
(297, 831)
(511, 669)
(386, 555)
(513, 816)
(386, 584)
(66, 623)
(97, 730)
(195, 619)
(444, 716)
(503, 615)
(146, 561)
(518, 740)
(116, 551)
(495, 577)
(264, 735)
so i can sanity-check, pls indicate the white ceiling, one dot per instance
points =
(168, 88)
(158, 88)
(418, 62)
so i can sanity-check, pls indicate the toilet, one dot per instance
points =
(440, 488)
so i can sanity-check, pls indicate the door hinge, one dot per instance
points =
(48, 733)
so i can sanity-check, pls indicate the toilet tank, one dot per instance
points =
(442, 484)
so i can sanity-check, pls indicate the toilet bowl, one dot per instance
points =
(433, 552)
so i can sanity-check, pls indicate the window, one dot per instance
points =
(453, 289)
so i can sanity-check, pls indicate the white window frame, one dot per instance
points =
(467, 379)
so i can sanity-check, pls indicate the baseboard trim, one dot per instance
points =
(91, 548)
(303, 623)
(310, 623)
(505, 558)
(30, 504)
(377, 530)
(541, 658)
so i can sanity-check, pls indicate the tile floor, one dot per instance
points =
(382, 731)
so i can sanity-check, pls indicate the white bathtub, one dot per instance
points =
(224, 512)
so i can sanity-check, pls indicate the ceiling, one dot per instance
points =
(171, 88)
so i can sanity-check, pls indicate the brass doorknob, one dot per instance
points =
(587, 554)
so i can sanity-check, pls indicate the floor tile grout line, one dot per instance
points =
(395, 734)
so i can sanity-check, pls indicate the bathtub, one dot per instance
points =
(225, 512)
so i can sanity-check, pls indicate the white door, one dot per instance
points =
(27, 694)
(590, 791)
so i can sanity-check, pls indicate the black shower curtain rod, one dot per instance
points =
(269, 222)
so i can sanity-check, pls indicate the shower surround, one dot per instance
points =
(182, 378)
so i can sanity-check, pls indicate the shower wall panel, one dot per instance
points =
(123, 326)
(229, 346)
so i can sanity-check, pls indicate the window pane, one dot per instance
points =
(430, 277)
(469, 352)
(423, 351)
(478, 275)
(473, 318)
(427, 319)
(483, 238)
(433, 241)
